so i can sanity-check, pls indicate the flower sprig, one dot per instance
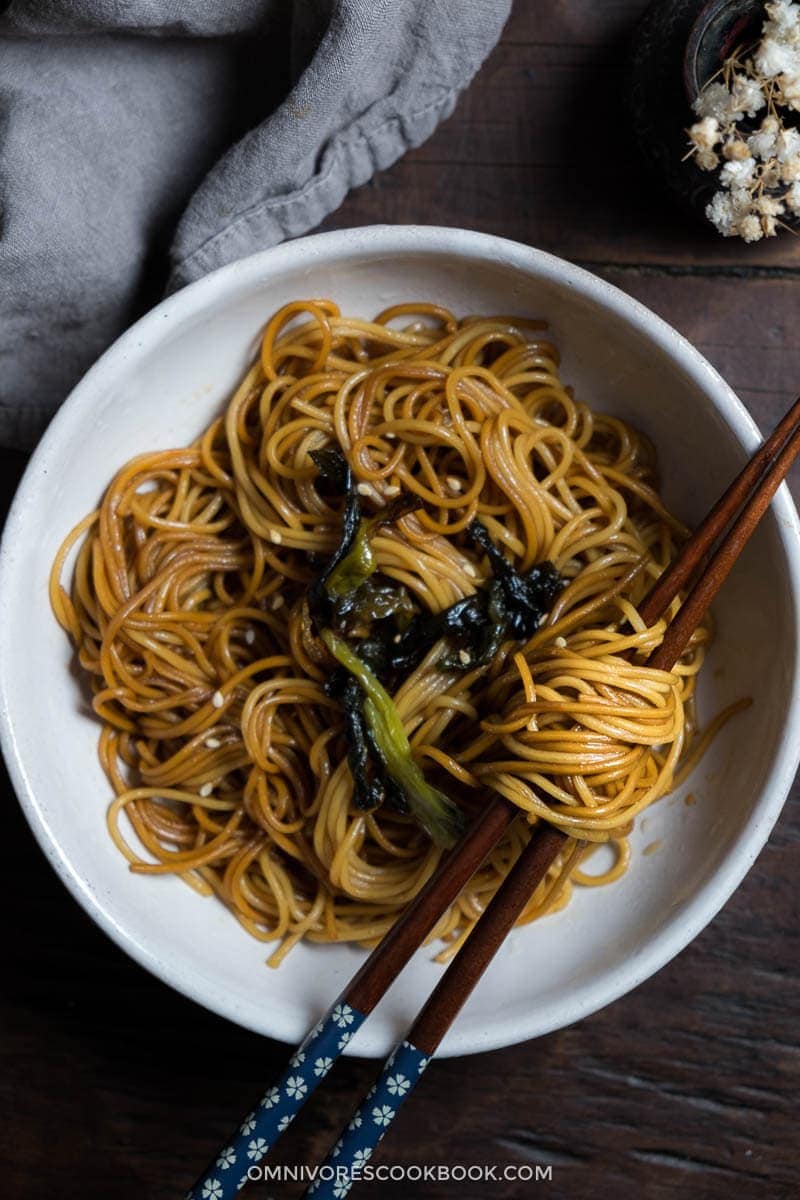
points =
(758, 168)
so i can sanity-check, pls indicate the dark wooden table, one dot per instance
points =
(113, 1086)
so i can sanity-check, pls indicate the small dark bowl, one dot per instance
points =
(720, 26)
(677, 48)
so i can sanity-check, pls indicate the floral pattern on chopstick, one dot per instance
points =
(279, 1105)
(368, 1125)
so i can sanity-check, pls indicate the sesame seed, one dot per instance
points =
(561, 642)
(206, 789)
(277, 602)
(275, 537)
(364, 489)
(250, 636)
(455, 484)
(391, 489)
(218, 699)
(464, 658)
(213, 743)
(391, 436)
(470, 570)
(398, 637)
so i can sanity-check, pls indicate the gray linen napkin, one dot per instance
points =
(113, 117)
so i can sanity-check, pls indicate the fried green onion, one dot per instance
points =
(340, 589)
(392, 641)
(437, 814)
(509, 605)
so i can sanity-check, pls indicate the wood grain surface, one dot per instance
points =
(115, 1087)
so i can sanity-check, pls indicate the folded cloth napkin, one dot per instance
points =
(113, 117)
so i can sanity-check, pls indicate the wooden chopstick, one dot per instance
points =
(405, 1065)
(774, 459)
(324, 1044)
(407, 1062)
(533, 864)
(692, 553)
(718, 568)
(314, 1058)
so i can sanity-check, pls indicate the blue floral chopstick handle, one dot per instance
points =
(278, 1107)
(343, 1166)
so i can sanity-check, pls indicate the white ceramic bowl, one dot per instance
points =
(158, 386)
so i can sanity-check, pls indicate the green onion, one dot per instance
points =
(441, 818)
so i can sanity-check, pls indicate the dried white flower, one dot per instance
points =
(787, 144)
(742, 200)
(789, 91)
(762, 142)
(747, 95)
(792, 199)
(738, 172)
(773, 58)
(750, 228)
(771, 173)
(705, 134)
(769, 226)
(720, 213)
(769, 206)
(707, 160)
(790, 171)
(784, 21)
(727, 208)
(715, 101)
(735, 148)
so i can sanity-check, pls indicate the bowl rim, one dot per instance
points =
(385, 241)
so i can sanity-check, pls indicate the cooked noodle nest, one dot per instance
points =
(187, 606)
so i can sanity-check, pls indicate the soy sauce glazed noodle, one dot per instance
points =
(188, 608)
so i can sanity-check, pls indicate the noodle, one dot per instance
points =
(188, 610)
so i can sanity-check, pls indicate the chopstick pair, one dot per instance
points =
(751, 492)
